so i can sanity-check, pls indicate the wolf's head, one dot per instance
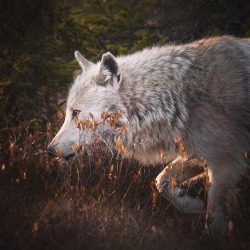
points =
(94, 92)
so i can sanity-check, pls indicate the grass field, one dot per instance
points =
(94, 202)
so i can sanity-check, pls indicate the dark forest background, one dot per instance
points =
(50, 204)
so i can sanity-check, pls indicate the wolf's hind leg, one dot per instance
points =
(220, 196)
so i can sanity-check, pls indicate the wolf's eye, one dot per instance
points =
(75, 113)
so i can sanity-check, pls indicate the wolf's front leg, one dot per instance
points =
(165, 183)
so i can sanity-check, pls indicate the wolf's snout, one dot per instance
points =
(51, 150)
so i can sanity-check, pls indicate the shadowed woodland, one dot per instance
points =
(93, 201)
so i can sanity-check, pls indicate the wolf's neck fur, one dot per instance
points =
(152, 92)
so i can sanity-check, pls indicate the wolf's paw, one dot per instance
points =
(162, 181)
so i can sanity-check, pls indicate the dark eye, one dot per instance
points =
(75, 113)
(119, 78)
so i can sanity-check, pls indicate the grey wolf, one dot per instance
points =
(199, 92)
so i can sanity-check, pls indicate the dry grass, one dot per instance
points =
(93, 203)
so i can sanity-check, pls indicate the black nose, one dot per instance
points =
(51, 150)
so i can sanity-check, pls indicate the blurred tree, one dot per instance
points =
(38, 39)
(34, 56)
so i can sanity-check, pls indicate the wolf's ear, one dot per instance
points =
(109, 69)
(84, 63)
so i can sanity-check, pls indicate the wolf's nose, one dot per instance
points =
(51, 150)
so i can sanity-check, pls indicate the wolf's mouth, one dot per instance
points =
(69, 156)
(52, 153)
